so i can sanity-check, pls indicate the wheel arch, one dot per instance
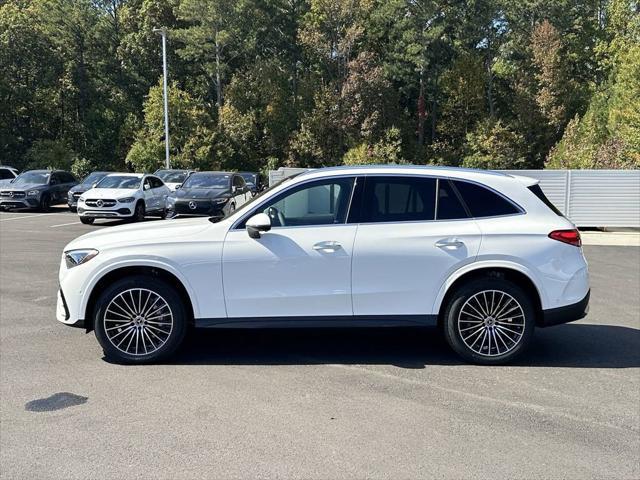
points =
(518, 276)
(106, 278)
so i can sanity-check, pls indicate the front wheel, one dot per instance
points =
(138, 213)
(139, 319)
(45, 203)
(489, 321)
(87, 220)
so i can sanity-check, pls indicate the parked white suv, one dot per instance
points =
(124, 195)
(484, 255)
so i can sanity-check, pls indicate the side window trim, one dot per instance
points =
(238, 225)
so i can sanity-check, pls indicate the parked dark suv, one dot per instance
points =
(86, 184)
(37, 189)
(215, 194)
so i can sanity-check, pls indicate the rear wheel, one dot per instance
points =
(87, 220)
(139, 319)
(489, 321)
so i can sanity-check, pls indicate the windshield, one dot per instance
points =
(173, 177)
(119, 181)
(93, 178)
(36, 178)
(249, 177)
(207, 180)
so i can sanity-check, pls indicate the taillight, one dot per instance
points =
(572, 237)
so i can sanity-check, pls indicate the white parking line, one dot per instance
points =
(64, 224)
(30, 216)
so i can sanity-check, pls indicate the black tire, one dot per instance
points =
(138, 213)
(103, 319)
(87, 220)
(73, 209)
(163, 214)
(483, 321)
(45, 203)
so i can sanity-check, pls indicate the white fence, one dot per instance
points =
(590, 198)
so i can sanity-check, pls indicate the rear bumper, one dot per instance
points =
(565, 314)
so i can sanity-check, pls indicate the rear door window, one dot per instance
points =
(398, 199)
(449, 205)
(483, 202)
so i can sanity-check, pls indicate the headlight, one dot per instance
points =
(33, 193)
(73, 258)
(126, 200)
(220, 201)
(81, 198)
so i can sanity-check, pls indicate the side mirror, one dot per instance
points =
(178, 186)
(234, 189)
(258, 223)
(94, 185)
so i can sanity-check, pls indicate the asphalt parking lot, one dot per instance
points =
(312, 404)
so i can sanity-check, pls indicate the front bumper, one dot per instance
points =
(27, 202)
(62, 313)
(567, 313)
(197, 208)
(122, 212)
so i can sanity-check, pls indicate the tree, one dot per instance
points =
(493, 146)
(191, 133)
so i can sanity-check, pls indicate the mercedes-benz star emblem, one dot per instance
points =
(11, 194)
(192, 205)
(99, 203)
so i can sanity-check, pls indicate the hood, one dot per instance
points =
(174, 231)
(197, 193)
(113, 193)
(23, 186)
(80, 188)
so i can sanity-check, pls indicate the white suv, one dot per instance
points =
(124, 195)
(483, 255)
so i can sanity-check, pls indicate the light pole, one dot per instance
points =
(163, 33)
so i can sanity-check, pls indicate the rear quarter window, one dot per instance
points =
(483, 202)
(537, 191)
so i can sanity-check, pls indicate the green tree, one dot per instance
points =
(191, 133)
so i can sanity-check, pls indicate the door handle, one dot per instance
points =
(328, 246)
(449, 244)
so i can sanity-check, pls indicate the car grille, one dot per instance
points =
(202, 207)
(12, 194)
(99, 202)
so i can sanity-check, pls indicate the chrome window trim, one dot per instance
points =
(521, 211)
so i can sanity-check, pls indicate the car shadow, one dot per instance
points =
(572, 345)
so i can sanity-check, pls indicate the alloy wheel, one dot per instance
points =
(138, 321)
(491, 323)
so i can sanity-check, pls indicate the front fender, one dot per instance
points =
(137, 261)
